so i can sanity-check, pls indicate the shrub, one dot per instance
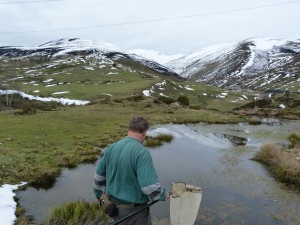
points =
(183, 100)
(294, 140)
(135, 97)
(157, 101)
(196, 107)
(118, 100)
(166, 100)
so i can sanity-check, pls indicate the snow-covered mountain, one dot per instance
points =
(254, 63)
(155, 56)
(187, 65)
(75, 46)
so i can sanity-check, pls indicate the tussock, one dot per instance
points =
(79, 213)
(282, 164)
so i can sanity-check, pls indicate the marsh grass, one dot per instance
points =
(282, 164)
(159, 140)
(77, 213)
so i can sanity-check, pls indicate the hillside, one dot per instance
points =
(80, 72)
(257, 64)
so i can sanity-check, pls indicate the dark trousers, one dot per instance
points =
(141, 218)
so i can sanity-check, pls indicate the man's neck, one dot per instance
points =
(135, 135)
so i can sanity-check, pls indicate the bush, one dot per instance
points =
(157, 101)
(196, 107)
(294, 140)
(183, 100)
(136, 97)
(166, 100)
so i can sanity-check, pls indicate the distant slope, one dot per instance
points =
(75, 46)
(255, 63)
(155, 56)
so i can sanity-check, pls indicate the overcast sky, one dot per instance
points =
(206, 25)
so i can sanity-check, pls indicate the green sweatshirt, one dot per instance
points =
(127, 174)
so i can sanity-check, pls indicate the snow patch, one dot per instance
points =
(188, 88)
(161, 94)
(147, 93)
(50, 85)
(7, 203)
(48, 80)
(64, 101)
(155, 56)
(59, 93)
(282, 106)
(107, 94)
(88, 68)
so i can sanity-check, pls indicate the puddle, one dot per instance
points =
(236, 190)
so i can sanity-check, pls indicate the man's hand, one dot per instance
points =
(167, 197)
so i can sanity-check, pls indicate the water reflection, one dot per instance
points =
(236, 189)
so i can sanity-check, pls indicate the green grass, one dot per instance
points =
(34, 147)
(159, 140)
(79, 213)
(96, 87)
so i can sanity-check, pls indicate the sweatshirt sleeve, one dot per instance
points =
(147, 178)
(100, 178)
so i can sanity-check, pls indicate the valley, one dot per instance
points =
(63, 102)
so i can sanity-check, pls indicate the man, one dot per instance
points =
(126, 173)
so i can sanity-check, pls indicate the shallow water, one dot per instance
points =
(236, 189)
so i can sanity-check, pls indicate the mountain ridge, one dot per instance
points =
(77, 46)
(256, 63)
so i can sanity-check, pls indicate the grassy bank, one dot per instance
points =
(282, 164)
(35, 147)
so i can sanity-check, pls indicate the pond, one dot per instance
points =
(236, 190)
